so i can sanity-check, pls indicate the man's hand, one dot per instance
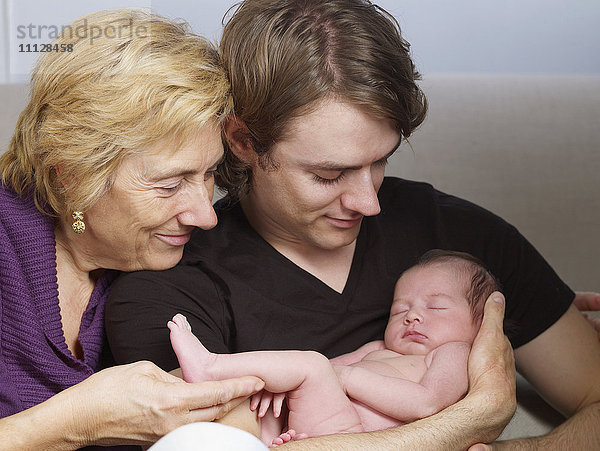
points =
(479, 417)
(492, 374)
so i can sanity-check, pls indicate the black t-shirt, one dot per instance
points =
(240, 294)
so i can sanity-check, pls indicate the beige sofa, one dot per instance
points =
(525, 147)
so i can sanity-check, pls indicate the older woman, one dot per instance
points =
(110, 168)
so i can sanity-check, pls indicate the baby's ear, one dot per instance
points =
(239, 140)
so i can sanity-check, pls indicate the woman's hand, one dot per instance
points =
(139, 403)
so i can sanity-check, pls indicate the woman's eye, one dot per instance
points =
(170, 189)
(326, 180)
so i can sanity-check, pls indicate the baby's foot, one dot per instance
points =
(193, 357)
(287, 437)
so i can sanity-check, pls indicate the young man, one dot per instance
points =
(324, 93)
(434, 318)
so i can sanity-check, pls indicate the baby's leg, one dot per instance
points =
(317, 403)
(270, 427)
(282, 371)
(194, 359)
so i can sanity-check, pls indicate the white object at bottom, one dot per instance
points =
(208, 436)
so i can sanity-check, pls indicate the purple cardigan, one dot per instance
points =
(35, 362)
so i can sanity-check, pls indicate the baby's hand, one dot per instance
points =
(264, 398)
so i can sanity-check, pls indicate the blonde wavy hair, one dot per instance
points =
(131, 79)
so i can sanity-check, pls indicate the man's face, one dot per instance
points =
(329, 167)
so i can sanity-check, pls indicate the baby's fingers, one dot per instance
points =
(278, 403)
(255, 400)
(265, 402)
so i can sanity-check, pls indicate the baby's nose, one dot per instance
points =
(413, 316)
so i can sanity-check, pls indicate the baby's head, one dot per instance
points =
(437, 301)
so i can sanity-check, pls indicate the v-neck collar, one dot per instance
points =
(326, 290)
(54, 329)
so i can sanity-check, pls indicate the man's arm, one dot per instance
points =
(487, 408)
(563, 364)
(243, 418)
(444, 383)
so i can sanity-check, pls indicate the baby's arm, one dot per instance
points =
(444, 383)
(359, 354)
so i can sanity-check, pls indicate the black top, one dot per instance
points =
(240, 294)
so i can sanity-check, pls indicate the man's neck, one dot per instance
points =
(331, 266)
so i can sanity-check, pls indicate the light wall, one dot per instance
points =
(464, 36)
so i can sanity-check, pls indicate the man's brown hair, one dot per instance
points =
(282, 56)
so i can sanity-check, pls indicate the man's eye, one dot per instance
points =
(328, 181)
(209, 174)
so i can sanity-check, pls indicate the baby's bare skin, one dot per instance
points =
(390, 363)
(419, 369)
(318, 401)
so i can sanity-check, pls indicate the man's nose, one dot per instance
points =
(361, 195)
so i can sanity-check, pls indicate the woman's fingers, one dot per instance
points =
(215, 412)
(213, 393)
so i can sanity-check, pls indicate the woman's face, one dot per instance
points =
(158, 196)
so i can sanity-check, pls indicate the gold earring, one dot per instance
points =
(78, 225)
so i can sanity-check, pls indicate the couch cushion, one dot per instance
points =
(525, 147)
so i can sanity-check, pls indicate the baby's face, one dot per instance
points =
(429, 309)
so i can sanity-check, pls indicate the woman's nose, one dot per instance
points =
(198, 211)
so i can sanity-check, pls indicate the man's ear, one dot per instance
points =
(239, 140)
